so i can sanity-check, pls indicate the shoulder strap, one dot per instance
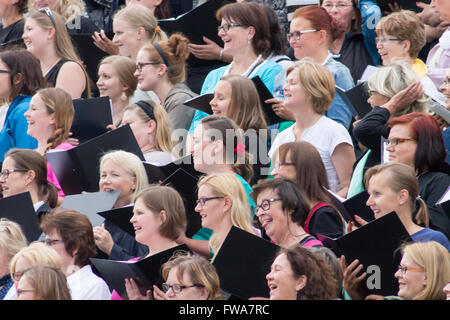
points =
(310, 241)
(313, 212)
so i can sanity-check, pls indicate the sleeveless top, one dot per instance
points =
(52, 75)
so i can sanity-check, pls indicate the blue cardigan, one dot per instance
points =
(14, 132)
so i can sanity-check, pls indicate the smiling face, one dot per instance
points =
(212, 213)
(342, 11)
(412, 282)
(148, 77)
(40, 122)
(109, 83)
(404, 152)
(382, 199)
(236, 39)
(114, 177)
(205, 152)
(391, 50)
(308, 45)
(5, 82)
(141, 130)
(146, 222)
(16, 182)
(445, 87)
(222, 98)
(36, 38)
(274, 220)
(126, 38)
(281, 281)
(52, 4)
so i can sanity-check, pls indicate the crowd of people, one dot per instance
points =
(282, 181)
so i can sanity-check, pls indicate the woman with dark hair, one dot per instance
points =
(301, 162)
(26, 170)
(298, 274)
(70, 234)
(20, 78)
(282, 211)
(356, 46)
(415, 139)
(11, 15)
(245, 31)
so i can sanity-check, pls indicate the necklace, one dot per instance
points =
(51, 66)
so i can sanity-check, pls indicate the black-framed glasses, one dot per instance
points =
(177, 288)
(5, 71)
(396, 141)
(384, 40)
(140, 65)
(6, 172)
(339, 6)
(17, 275)
(371, 92)
(296, 35)
(49, 13)
(265, 205)
(225, 27)
(20, 292)
(202, 201)
(283, 164)
(403, 269)
(51, 242)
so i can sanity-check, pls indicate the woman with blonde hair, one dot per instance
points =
(12, 240)
(120, 170)
(161, 67)
(37, 253)
(43, 283)
(117, 81)
(72, 11)
(151, 127)
(49, 119)
(46, 37)
(394, 187)
(189, 277)
(309, 91)
(222, 203)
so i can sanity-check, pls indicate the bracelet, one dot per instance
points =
(221, 54)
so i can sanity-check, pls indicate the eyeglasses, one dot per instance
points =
(339, 6)
(445, 83)
(282, 164)
(265, 205)
(371, 92)
(296, 35)
(140, 65)
(225, 27)
(5, 71)
(177, 288)
(49, 13)
(403, 269)
(51, 242)
(384, 40)
(395, 141)
(5, 173)
(202, 201)
(19, 292)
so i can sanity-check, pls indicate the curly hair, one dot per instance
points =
(320, 284)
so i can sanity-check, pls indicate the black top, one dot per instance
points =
(354, 54)
(432, 185)
(81, 25)
(52, 75)
(326, 222)
(11, 32)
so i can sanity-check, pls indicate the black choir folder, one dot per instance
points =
(90, 204)
(355, 205)
(182, 176)
(120, 217)
(91, 118)
(19, 208)
(194, 24)
(356, 99)
(146, 272)
(376, 246)
(202, 102)
(242, 263)
(77, 169)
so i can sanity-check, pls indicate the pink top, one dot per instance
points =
(51, 177)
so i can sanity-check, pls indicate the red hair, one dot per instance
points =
(320, 19)
(430, 154)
